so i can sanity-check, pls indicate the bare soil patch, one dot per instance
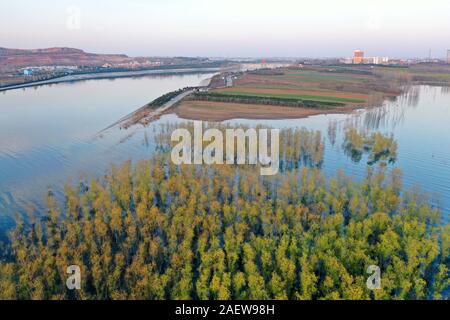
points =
(220, 111)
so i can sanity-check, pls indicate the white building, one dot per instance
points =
(380, 60)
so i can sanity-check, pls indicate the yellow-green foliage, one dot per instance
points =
(159, 231)
(378, 146)
(197, 233)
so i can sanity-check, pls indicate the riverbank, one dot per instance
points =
(151, 112)
(299, 92)
(215, 111)
(110, 75)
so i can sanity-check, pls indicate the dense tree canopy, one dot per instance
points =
(159, 231)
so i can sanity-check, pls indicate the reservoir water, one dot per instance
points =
(49, 136)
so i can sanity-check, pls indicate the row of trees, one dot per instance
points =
(275, 101)
(298, 146)
(160, 231)
(162, 100)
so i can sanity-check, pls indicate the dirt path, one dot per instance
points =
(147, 114)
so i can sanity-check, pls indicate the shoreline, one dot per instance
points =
(109, 75)
(218, 112)
(146, 113)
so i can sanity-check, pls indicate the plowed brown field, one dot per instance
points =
(218, 111)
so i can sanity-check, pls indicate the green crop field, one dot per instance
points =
(316, 76)
(291, 96)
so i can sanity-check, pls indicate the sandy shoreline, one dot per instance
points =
(214, 111)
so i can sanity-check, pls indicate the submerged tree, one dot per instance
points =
(378, 146)
(159, 231)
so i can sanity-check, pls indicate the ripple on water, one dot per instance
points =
(418, 122)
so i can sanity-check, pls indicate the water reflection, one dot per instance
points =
(391, 114)
(445, 90)
(418, 121)
(332, 131)
(46, 136)
(46, 133)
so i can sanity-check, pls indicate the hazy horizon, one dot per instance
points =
(321, 28)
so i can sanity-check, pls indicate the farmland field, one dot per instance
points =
(360, 86)
(291, 96)
(319, 89)
(219, 111)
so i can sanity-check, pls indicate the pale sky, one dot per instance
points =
(230, 28)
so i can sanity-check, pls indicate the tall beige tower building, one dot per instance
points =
(358, 56)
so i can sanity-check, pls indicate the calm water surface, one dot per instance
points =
(420, 123)
(48, 133)
(48, 136)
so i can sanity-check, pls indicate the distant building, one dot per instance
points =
(380, 60)
(346, 60)
(27, 72)
(448, 56)
(358, 56)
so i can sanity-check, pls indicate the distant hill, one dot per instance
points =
(16, 58)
